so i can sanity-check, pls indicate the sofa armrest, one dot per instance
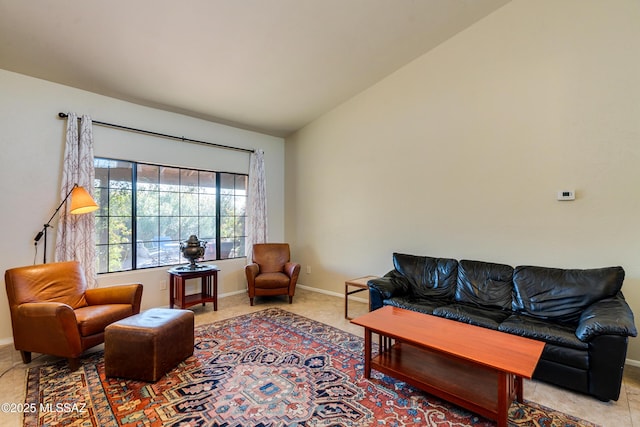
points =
(121, 294)
(609, 316)
(386, 286)
(607, 356)
(382, 288)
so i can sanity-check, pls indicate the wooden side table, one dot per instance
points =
(360, 284)
(208, 275)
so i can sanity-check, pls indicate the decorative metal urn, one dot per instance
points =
(193, 249)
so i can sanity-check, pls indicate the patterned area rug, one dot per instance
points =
(266, 369)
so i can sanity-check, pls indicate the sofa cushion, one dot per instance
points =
(485, 284)
(553, 293)
(473, 315)
(425, 306)
(428, 277)
(543, 330)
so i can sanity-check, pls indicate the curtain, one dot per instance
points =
(75, 239)
(257, 208)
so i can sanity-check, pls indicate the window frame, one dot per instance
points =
(239, 240)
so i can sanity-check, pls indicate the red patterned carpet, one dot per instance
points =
(266, 369)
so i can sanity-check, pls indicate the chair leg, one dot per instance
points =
(290, 299)
(26, 357)
(250, 301)
(74, 363)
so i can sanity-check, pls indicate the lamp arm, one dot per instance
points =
(48, 224)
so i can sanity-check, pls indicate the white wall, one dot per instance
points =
(31, 150)
(460, 153)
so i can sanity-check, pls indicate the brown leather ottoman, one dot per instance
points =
(147, 345)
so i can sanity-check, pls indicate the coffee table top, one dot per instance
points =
(498, 350)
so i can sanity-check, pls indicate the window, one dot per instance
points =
(158, 207)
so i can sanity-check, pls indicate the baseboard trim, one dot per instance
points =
(333, 294)
(632, 362)
(228, 294)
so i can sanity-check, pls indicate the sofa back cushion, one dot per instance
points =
(485, 284)
(562, 295)
(428, 277)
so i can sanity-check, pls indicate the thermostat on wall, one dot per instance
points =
(566, 195)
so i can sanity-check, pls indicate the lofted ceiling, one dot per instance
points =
(266, 65)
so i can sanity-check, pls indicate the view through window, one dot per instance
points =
(158, 207)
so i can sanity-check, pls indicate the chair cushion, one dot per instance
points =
(94, 318)
(272, 280)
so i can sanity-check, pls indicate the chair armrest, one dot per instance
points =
(292, 269)
(609, 316)
(251, 271)
(33, 310)
(121, 294)
(46, 327)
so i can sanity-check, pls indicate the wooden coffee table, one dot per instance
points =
(477, 368)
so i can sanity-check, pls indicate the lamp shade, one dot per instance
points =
(82, 202)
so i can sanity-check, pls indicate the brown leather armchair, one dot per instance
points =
(53, 312)
(272, 272)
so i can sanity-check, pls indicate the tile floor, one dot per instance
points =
(330, 310)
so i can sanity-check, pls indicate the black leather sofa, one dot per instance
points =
(581, 315)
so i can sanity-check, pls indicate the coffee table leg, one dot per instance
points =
(519, 388)
(367, 353)
(504, 397)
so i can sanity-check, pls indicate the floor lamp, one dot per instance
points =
(81, 203)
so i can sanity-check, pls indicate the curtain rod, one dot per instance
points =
(162, 135)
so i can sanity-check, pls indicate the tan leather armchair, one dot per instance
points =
(272, 272)
(53, 312)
